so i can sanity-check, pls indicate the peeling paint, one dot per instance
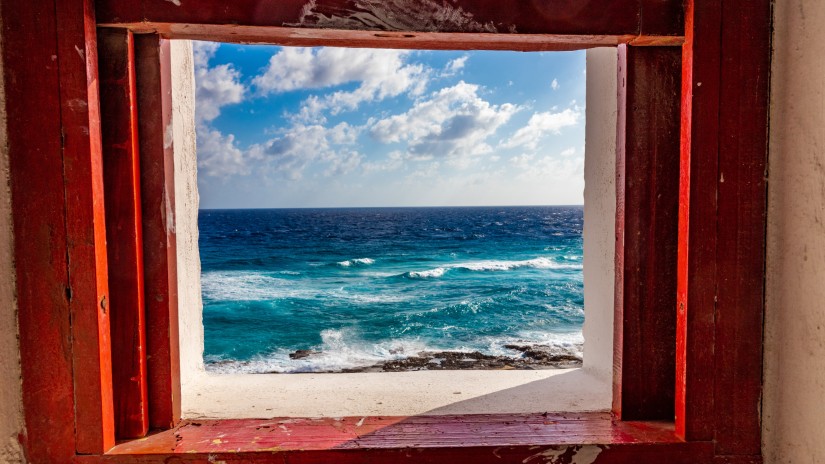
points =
(393, 15)
(580, 454)
(80, 52)
(174, 2)
(169, 136)
(170, 213)
(360, 422)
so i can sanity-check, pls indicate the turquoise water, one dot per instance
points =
(366, 285)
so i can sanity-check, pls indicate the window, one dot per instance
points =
(720, 237)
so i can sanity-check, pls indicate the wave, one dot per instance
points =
(491, 265)
(342, 349)
(356, 262)
(253, 286)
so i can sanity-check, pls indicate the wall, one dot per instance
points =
(11, 409)
(794, 383)
(186, 210)
(600, 211)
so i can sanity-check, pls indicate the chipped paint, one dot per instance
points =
(169, 136)
(393, 15)
(174, 2)
(360, 422)
(579, 454)
(80, 52)
(170, 212)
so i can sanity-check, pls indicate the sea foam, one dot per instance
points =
(356, 262)
(492, 265)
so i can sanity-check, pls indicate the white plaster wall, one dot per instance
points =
(11, 396)
(600, 211)
(794, 370)
(190, 306)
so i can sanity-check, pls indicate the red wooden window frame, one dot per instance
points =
(690, 228)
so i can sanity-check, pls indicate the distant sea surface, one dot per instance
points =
(363, 286)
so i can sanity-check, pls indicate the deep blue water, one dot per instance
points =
(364, 285)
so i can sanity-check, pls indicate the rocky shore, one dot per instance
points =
(532, 357)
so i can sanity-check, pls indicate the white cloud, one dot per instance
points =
(549, 167)
(216, 86)
(541, 124)
(218, 156)
(555, 84)
(381, 74)
(302, 145)
(454, 66)
(453, 122)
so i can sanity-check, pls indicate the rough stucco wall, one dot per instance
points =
(794, 384)
(11, 396)
(600, 211)
(186, 208)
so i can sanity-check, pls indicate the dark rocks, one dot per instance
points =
(300, 354)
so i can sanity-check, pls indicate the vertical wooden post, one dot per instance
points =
(647, 194)
(31, 80)
(154, 85)
(697, 264)
(124, 230)
(743, 149)
(85, 225)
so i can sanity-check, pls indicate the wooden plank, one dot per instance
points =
(159, 245)
(522, 438)
(646, 232)
(124, 230)
(697, 266)
(85, 225)
(561, 17)
(743, 148)
(32, 96)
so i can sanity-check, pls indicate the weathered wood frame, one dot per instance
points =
(710, 338)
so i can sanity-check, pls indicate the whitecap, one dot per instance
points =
(356, 262)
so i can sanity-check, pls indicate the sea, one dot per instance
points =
(362, 286)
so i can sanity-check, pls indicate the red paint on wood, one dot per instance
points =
(565, 17)
(159, 246)
(697, 266)
(647, 184)
(32, 99)
(469, 438)
(743, 148)
(124, 230)
(85, 225)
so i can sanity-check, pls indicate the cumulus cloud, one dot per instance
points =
(541, 124)
(454, 66)
(453, 123)
(291, 153)
(217, 154)
(380, 73)
(216, 86)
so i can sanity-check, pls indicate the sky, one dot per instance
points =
(288, 127)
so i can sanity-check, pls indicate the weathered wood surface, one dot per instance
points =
(32, 95)
(471, 24)
(647, 193)
(523, 438)
(153, 69)
(85, 224)
(124, 230)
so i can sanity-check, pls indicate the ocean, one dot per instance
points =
(361, 286)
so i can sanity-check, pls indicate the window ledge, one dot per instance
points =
(242, 396)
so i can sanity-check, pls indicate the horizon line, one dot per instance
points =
(387, 207)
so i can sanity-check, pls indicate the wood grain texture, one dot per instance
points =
(590, 437)
(32, 93)
(646, 232)
(159, 244)
(124, 230)
(564, 17)
(743, 150)
(697, 263)
(85, 225)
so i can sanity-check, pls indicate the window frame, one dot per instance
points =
(62, 265)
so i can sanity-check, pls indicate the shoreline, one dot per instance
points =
(532, 357)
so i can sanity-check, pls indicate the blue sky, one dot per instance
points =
(333, 127)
